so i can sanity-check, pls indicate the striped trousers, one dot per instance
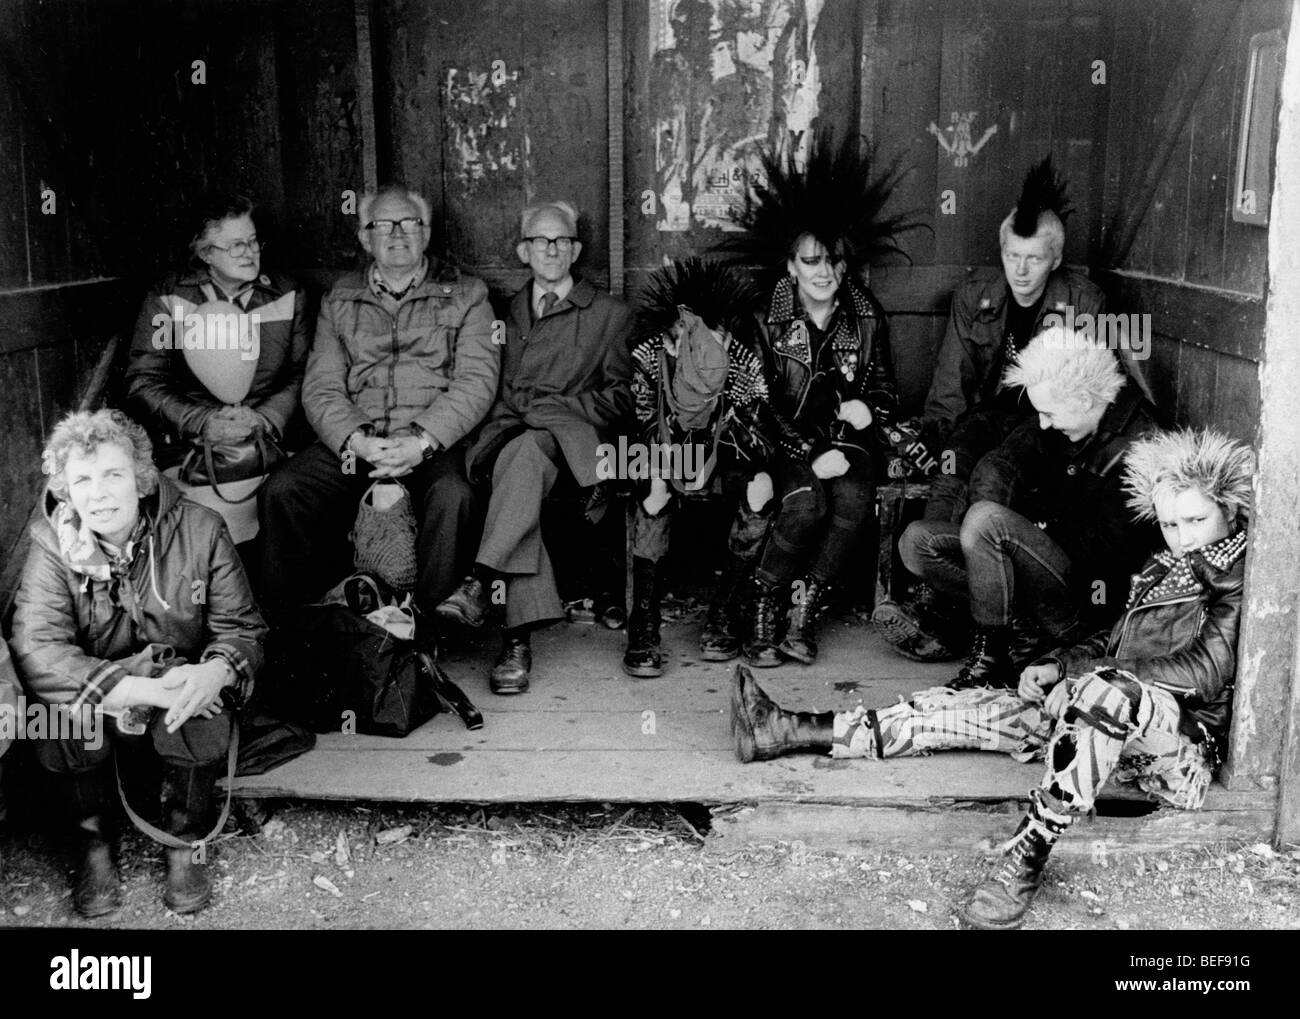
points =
(1088, 732)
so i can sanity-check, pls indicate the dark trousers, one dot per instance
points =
(816, 521)
(199, 743)
(651, 534)
(308, 506)
(167, 775)
(1002, 561)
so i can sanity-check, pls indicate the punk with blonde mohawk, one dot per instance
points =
(1204, 459)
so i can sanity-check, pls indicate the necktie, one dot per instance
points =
(548, 302)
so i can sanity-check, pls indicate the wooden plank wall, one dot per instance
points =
(489, 105)
(916, 63)
(1200, 274)
(99, 105)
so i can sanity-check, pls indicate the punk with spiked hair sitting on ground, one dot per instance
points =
(824, 343)
(1145, 702)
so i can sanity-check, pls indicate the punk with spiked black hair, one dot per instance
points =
(701, 411)
(838, 197)
(824, 343)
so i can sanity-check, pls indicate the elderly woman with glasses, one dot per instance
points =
(184, 401)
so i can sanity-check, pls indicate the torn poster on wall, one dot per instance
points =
(483, 138)
(727, 76)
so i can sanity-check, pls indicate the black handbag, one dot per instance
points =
(223, 463)
(342, 673)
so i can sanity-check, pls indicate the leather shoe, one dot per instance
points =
(467, 605)
(189, 888)
(98, 890)
(510, 674)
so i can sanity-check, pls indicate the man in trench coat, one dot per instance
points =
(565, 386)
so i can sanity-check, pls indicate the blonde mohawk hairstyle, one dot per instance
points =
(1074, 363)
(1171, 462)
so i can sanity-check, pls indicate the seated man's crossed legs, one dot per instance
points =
(512, 561)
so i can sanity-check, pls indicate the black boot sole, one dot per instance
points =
(643, 671)
(718, 656)
(902, 635)
(795, 654)
(986, 925)
(95, 912)
(742, 733)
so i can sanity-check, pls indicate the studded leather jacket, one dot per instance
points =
(811, 372)
(1179, 633)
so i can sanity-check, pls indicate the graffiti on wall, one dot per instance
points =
(727, 77)
(961, 148)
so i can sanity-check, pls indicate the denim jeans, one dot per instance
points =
(1002, 561)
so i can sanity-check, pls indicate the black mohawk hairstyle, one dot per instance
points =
(839, 198)
(720, 294)
(1042, 191)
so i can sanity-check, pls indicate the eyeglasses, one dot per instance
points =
(384, 227)
(240, 248)
(542, 244)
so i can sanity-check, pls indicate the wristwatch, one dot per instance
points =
(427, 446)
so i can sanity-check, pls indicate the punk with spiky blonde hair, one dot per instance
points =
(1204, 459)
(1074, 363)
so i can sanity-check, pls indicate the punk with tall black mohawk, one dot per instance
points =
(838, 197)
(701, 405)
(968, 412)
(824, 343)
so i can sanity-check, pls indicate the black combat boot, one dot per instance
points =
(799, 642)
(761, 730)
(759, 648)
(718, 640)
(97, 889)
(1028, 642)
(187, 806)
(1001, 903)
(643, 657)
(988, 662)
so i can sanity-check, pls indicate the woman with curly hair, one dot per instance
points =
(133, 604)
(1147, 701)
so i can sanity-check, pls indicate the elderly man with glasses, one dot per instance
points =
(565, 385)
(403, 366)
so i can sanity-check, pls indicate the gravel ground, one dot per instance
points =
(594, 866)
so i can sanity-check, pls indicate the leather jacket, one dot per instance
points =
(1080, 501)
(964, 378)
(807, 385)
(1178, 633)
(166, 395)
(75, 618)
